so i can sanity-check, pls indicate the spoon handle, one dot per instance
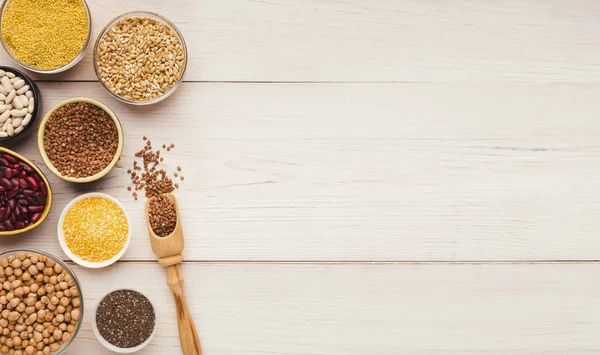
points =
(188, 337)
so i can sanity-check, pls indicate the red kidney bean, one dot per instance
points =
(32, 183)
(36, 217)
(9, 158)
(23, 194)
(37, 208)
(4, 182)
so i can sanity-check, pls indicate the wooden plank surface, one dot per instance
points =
(383, 40)
(338, 172)
(343, 309)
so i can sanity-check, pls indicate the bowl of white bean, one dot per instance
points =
(19, 103)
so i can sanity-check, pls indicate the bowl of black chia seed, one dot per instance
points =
(124, 321)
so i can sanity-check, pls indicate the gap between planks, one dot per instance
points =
(367, 262)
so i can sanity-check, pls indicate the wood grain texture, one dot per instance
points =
(252, 309)
(382, 41)
(363, 171)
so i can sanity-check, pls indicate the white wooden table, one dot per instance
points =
(367, 177)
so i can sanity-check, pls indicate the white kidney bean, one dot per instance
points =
(11, 95)
(18, 113)
(26, 120)
(5, 116)
(6, 83)
(17, 103)
(19, 83)
(23, 90)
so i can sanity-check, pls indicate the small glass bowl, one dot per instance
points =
(64, 67)
(64, 347)
(153, 16)
(113, 348)
(77, 259)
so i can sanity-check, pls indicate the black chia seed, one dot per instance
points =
(125, 318)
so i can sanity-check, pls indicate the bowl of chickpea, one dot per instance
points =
(41, 306)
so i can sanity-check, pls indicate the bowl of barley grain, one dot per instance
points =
(140, 58)
(80, 140)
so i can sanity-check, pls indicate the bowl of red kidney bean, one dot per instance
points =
(25, 195)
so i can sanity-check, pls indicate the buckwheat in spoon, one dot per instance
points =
(166, 237)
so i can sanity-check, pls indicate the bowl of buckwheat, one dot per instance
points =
(140, 58)
(80, 140)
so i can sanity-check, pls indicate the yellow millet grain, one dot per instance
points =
(95, 229)
(45, 34)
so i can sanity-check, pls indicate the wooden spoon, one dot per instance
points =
(169, 249)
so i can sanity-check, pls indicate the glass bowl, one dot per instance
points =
(37, 100)
(64, 347)
(56, 70)
(158, 18)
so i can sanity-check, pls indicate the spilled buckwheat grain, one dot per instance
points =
(148, 177)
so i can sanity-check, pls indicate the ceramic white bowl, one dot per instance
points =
(75, 258)
(113, 348)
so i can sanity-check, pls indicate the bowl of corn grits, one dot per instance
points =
(94, 230)
(45, 36)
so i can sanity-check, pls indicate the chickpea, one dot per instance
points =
(26, 263)
(13, 316)
(17, 341)
(7, 285)
(59, 294)
(9, 343)
(20, 308)
(49, 316)
(76, 302)
(29, 350)
(39, 278)
(46, 350)
(13, 303)
(18, 352)
(4, 349)
(61, 310)
(10, 296)
(41, 291)
(64, 301)
(63, 327)
(67, 293)
(53, 280)
(6, 332)
(4, 263)
(3, 300)
(16, 264)
(18, 272)
(9, 271)
(54, 347)
(26, 276)
(19, 292)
